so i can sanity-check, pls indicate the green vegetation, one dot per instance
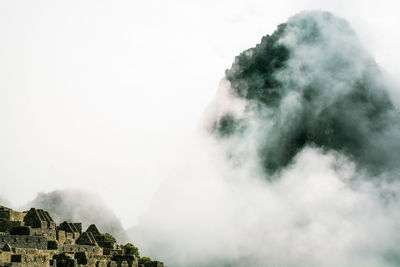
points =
(226, 125)
(145, 260)
(252, 75)
(130, 249)
(109, 238)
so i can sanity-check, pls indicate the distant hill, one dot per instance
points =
(81, 206)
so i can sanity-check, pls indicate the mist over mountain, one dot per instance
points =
(297, 165)
(74, 205)
(310, 83)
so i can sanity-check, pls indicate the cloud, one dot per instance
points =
(79, 206)
(297, 165)
(311, 82)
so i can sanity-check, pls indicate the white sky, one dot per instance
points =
(103, 95)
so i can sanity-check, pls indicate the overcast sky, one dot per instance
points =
(103, 95)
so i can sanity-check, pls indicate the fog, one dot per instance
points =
(121, 100)
(301, 168)
(74, 205)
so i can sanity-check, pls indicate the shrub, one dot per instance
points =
(130, 249)
(144, 260)
(109, 238)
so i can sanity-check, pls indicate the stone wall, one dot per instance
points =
(69, 238)
(78, 227)
(37, 218)
(10, 218)
(6, 225)
(20, 230)
(32, 251)
(17, 216)
(125, 260)
(38, 258)
(31, 239)
(95, 250)
(19, 241)
(61, 237)
(5, 256)
(50, 234)
(11, 215)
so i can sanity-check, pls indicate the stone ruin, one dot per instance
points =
(31, 238)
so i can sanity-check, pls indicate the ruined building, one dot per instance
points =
(31, 238)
